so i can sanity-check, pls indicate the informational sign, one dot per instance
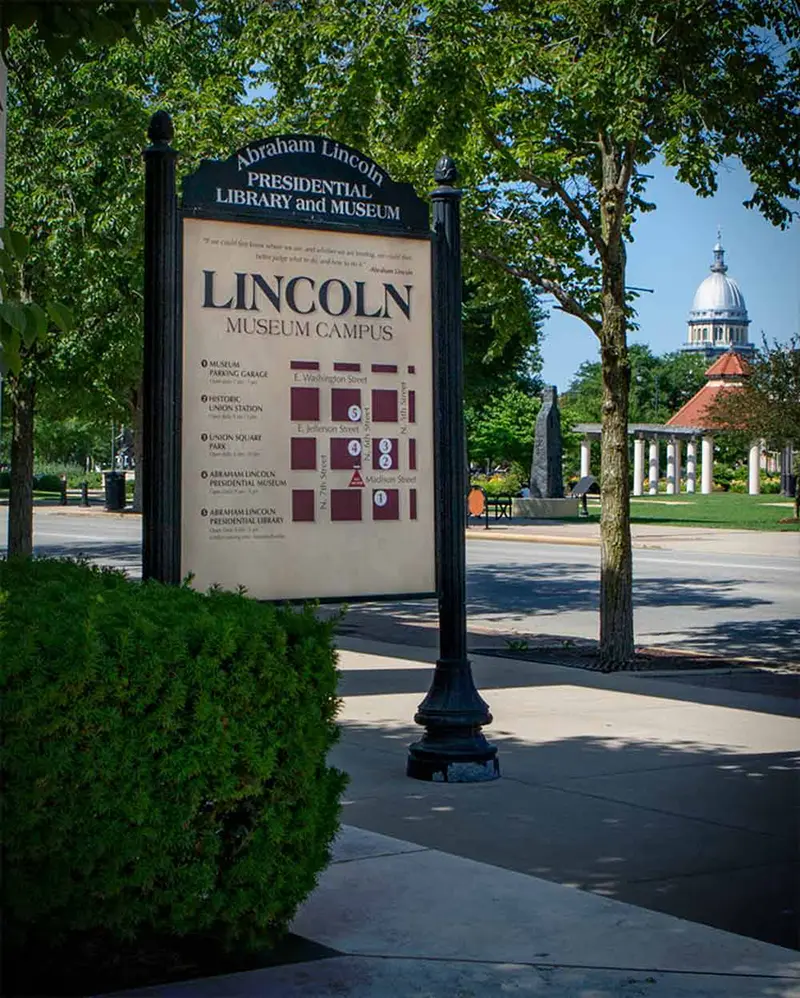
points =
(307, 433)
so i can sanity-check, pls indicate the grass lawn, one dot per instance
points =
(720, 509)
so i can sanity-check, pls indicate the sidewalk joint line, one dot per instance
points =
(577, 966)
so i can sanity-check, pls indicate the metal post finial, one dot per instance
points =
(445, 171)
(161, 129)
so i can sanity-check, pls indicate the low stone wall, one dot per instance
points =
(545, 509)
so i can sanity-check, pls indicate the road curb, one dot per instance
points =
(487, 535)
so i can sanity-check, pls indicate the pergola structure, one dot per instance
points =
(656, 434)
(689, 424)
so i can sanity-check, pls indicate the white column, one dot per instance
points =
(678, 464)
(586, 457)
(671, 467)
(753, 468)
(638, 466)
(653, 472)
(691, 465)
(707, 466)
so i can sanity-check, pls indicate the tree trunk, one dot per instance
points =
(20, 503)
(616, 563)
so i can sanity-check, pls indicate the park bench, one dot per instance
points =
(481, 505)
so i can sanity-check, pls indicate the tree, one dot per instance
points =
(502, 430)
(659, 386)
(76, 187)
(552, 109)
(767, 405)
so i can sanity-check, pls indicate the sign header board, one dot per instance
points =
(305, 180)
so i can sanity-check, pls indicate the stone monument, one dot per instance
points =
(546, 500)
(546, 477)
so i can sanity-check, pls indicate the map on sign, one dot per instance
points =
(308, 416)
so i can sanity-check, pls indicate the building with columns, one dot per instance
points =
(717, 328)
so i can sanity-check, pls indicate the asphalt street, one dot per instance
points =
(730, 603)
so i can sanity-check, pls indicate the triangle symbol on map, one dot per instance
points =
(356, 482)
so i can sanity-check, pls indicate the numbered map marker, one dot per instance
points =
(354, 413)
(385, 446)
(385, 461)
(354, 446)
(380, 498)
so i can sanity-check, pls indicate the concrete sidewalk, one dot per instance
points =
(625, 801)
(584, 533)
(676, 797)
(400, 921)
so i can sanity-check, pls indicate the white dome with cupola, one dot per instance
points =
(718, 319)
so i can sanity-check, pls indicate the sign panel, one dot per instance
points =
(307, 436)
(308, 180)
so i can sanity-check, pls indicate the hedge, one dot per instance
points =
(164, 758)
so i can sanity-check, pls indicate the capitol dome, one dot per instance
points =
(718, 318)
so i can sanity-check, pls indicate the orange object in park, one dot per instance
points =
(476, 502)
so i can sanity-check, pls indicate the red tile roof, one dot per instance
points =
(693, 412)
(728, 365)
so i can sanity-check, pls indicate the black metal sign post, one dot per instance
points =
(161, 395)
(453, 748)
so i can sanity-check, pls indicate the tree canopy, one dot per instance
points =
(659, 386)
(552, 109)
(767, 405)
(64, 24)
(76, 190)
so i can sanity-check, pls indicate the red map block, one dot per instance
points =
(412, 454)
(345, 504)
(303, 505)
(393, 454)
(412, 406)
(412, 504)
(305, 404)
(304, 454)
(341, 400)
(385, 504)
(384, 405)
(341, 458)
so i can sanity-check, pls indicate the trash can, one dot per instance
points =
(115, 490)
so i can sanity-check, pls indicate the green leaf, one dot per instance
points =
(37, 320)
(7, 264)
(10, 358)
(16, 243)
(60, 315)
(14, 314)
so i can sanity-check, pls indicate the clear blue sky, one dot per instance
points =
(672, 253)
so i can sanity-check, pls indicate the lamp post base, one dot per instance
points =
(453, 756)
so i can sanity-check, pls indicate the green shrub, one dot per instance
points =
(47, 483)
(770, 484)
(509, 483)
(76, 475)
(5, 479)
(163, 758)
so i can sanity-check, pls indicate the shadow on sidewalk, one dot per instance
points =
(685, 828)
